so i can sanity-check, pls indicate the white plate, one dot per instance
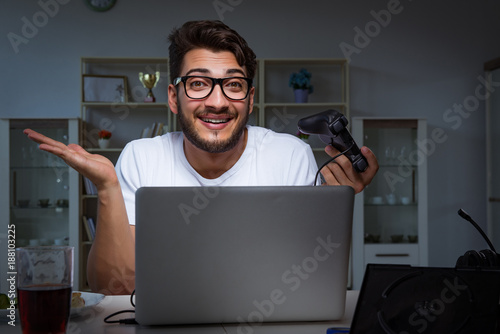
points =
(91, 300)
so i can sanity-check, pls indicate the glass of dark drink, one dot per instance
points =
(44, 284)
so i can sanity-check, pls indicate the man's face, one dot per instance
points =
(214, 124)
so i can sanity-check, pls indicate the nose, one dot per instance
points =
(217, 99)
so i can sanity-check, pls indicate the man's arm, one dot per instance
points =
(341, 171)
(111, 262)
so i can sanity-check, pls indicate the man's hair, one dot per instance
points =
(211, 35)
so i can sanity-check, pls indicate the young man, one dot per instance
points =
(212, 69)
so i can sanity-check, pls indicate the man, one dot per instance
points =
(212, 68)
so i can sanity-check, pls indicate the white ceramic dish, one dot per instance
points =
(91, 300)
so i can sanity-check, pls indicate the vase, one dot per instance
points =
(301, 95)
(103, 143)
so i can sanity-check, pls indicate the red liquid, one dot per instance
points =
(44, 309)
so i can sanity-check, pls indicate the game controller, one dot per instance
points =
(331, 126)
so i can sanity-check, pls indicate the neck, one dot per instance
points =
(213, 165)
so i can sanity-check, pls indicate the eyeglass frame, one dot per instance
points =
(215, 81)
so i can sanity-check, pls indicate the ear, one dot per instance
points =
(172, 98)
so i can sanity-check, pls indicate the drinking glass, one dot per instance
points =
(44, 284)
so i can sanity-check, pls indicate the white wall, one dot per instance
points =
(421, 63)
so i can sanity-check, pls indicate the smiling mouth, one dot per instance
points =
(215, 120)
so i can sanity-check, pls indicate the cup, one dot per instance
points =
(44, 283)
(149, 81)
(44, 202)
(391, 199)
(405, 200)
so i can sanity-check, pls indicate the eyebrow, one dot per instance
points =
(207, 71)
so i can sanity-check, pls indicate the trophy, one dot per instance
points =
(149, 81)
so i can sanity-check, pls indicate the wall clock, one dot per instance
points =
(100, 5)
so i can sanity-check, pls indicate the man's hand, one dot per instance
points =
(93, 166)
(341, 171)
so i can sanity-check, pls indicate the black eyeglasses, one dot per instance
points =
(199, 87)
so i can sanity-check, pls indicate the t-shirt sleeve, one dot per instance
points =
(304, 168)
(127, 170)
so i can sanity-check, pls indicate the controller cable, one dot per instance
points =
(128, 321)
(326, 163)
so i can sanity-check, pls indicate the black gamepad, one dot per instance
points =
(331, 126)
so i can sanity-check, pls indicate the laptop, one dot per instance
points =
(242, 255)
(405, 299)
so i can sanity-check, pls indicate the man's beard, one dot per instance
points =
(212, 146)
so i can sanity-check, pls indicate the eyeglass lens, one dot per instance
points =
(200, 87)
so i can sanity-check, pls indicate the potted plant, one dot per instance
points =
(301, 83)
(303, 136)
(104, 137)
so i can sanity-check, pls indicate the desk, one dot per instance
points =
(92, 321)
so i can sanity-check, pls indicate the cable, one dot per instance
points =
(330, 160)
(128, 321)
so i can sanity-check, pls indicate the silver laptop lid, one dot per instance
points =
(241, 254)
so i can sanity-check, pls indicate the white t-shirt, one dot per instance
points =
(269, 159)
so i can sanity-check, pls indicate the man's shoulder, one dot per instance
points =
(266, 136)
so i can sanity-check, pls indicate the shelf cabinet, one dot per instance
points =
(127, 117)
(390, 215)
(277, 109)
(40, 193)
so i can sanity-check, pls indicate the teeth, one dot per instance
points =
(215, 121)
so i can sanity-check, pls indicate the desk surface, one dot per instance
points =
(92, 321)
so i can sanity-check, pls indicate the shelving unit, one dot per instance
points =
(390, 215)
(40, 197)
(274, 107)
(125, 119)
(275, 99)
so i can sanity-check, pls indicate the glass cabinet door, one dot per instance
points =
(391, 201)
(39, 186)
(390, 215)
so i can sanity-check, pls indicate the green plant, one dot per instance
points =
(301, 80)
(302, 135)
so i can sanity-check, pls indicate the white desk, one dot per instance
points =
(92, 321)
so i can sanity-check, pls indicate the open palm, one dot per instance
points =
(95, 167)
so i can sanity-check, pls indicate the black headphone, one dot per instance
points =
(484, 259)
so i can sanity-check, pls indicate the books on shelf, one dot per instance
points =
(90, 188)
(156, 129)
(89, 226)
